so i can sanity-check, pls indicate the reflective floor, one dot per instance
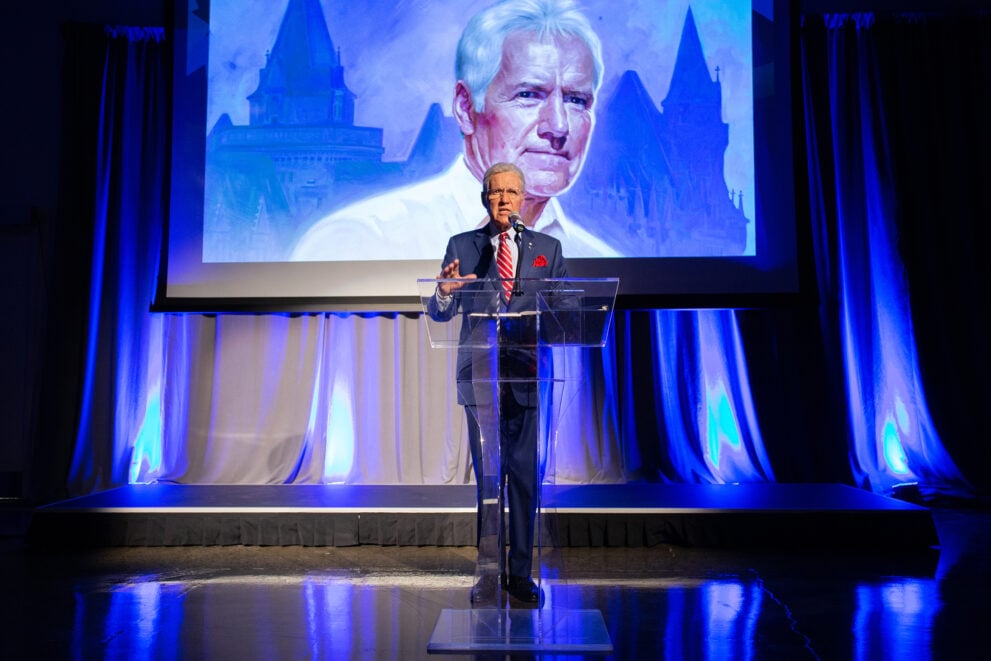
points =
(367, 602)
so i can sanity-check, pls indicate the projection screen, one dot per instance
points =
(324, 151)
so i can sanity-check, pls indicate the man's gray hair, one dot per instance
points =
(480, 48)
(499, 168)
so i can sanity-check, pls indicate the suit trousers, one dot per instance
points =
(518, 452)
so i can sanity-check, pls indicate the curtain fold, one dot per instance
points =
(704, 403)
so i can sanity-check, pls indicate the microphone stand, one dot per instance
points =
(517, 288)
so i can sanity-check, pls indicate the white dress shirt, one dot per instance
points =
(415, 222)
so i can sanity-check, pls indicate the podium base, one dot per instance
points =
(559, 631)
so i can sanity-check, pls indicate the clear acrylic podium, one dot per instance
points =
(516, 350)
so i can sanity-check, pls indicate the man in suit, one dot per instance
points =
(502, 248)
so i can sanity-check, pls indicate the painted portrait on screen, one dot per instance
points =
(341, 132)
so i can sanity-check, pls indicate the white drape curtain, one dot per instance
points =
(285, 399)
(364, 399)
(325, 398)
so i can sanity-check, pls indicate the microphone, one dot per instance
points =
(517, 222)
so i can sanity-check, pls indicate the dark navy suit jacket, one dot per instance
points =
(540, 257)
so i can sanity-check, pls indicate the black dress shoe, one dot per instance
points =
(486, 589)
(522, 588)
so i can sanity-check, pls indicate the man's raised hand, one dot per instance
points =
(452, 271)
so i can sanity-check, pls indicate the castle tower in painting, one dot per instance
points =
(300, 153)
(658, 176)
(695, 139)
(302, 83)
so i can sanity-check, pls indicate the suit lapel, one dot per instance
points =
(530, 251)
(484, 266)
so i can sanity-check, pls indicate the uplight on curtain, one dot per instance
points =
(893, 439)
(121, 381)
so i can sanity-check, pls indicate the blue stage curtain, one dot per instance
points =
(687, 409)
(120, 387)
(875, 89)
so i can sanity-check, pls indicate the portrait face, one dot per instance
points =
(538, 112)
(503, 198)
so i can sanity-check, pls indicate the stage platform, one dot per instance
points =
(634, 514)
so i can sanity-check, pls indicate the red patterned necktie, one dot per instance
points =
(504, 261)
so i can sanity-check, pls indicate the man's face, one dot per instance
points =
(503, 197)
(538, 111)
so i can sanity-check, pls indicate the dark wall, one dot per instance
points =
(31, 51)
(31, 114)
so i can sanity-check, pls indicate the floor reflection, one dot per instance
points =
(374, 602)
(326, 617)
(894, 619)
